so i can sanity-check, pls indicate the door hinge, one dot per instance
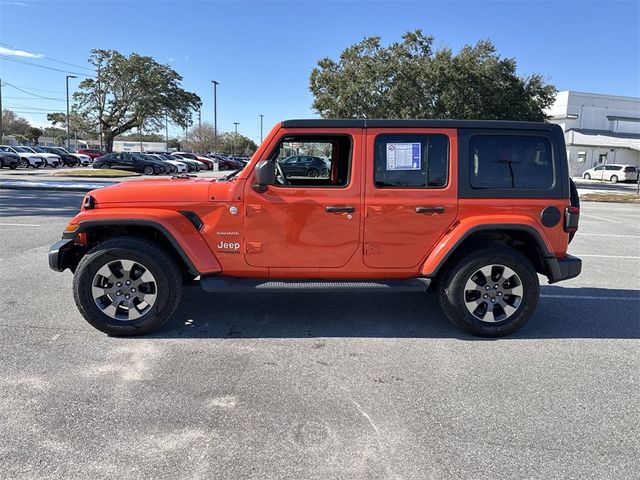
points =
(252, 209)
(253, 247)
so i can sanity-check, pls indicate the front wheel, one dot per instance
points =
(24, 163)
(587, 176)
(313, 173)
(614, 179)
(491, 292)
(148, 170)
(127, 286)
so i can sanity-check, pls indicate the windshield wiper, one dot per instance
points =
(233, 174)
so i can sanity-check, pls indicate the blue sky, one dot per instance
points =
(263, 52)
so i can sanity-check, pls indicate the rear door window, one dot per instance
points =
(411, 161)
(510, 161)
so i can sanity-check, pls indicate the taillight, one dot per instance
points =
(571, 219)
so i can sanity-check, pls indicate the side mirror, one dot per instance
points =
(265, 172)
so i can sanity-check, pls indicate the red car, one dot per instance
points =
(92, 152)
(207, 161)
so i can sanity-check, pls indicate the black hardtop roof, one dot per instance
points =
(431, 123)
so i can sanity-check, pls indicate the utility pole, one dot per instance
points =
(1, 131)
(166, 129)
(215, 118)
(68, 121)
(200, 118)
(261, 117)
(235, 137)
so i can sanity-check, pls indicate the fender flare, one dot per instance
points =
(450, 242)
(182, 235)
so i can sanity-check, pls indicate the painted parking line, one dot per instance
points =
(19, 225)
(588, 215)
(607, 235)
(580, 255)
(590, 297)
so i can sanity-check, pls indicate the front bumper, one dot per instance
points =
(64, 254)
(563, 268)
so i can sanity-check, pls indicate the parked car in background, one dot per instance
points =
(67, 159)
(613, 173)
(178, 167)
(51, 159)
(224, 163)
(207, 161)
(9, 159)
(85, 160)
(130, 161)
(91, 152)
(27, 158)
(304, 166)
(192, 165)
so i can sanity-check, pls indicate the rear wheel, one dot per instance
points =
(614, 179)
(24, 163)
(587, 176)
(104, 167)
(127, 286)
(313, 173)
(148, 170)
(491, 292)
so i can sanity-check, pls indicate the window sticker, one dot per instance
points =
(403, 156)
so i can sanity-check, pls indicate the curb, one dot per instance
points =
(61, 186)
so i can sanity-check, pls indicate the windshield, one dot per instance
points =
(39, 150)
(21, 149)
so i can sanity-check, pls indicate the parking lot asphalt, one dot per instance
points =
(319, 386)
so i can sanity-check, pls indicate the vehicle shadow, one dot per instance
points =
(561, 313)
(39, 203)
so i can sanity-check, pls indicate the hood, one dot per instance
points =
(171, 191)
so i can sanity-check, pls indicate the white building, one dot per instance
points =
(598, 128)
(133, 146)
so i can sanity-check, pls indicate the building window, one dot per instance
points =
(602, 158)
(582, 157)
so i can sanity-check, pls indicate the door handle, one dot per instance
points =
(429, 209)
(340, 209)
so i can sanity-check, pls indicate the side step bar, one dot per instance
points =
(216, 283)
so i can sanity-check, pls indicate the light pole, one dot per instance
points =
(1, 131)
(261, 117)
(235, 137)
(68, 134)
(215, 118)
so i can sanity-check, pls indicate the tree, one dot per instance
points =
(174, 143)
(132, 92)
(234, 143)
(78, 124)
(59, 135)
(142, 137)
(410, 79)
(12, 124)
(201, 138)
(33, 134)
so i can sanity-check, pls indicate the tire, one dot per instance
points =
(457, 285)
(24, 163)
(313, 173)
(148, 170)
(614, 179)
(587, 176)
(105, 167)
(139, 255)
(35, 165)
(13, 166)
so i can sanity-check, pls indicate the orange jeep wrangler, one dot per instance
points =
(473, 209)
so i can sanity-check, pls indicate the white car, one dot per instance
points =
(180, 167)
(614, 173)
(27, 158)
(51, 159)
(85, 160)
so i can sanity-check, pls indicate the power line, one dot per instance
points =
(52, 59)
(36, 113)
(32, 108)
(3, 57)
(31, 98)
(29, 93)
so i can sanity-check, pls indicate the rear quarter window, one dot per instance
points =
(510, 162)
